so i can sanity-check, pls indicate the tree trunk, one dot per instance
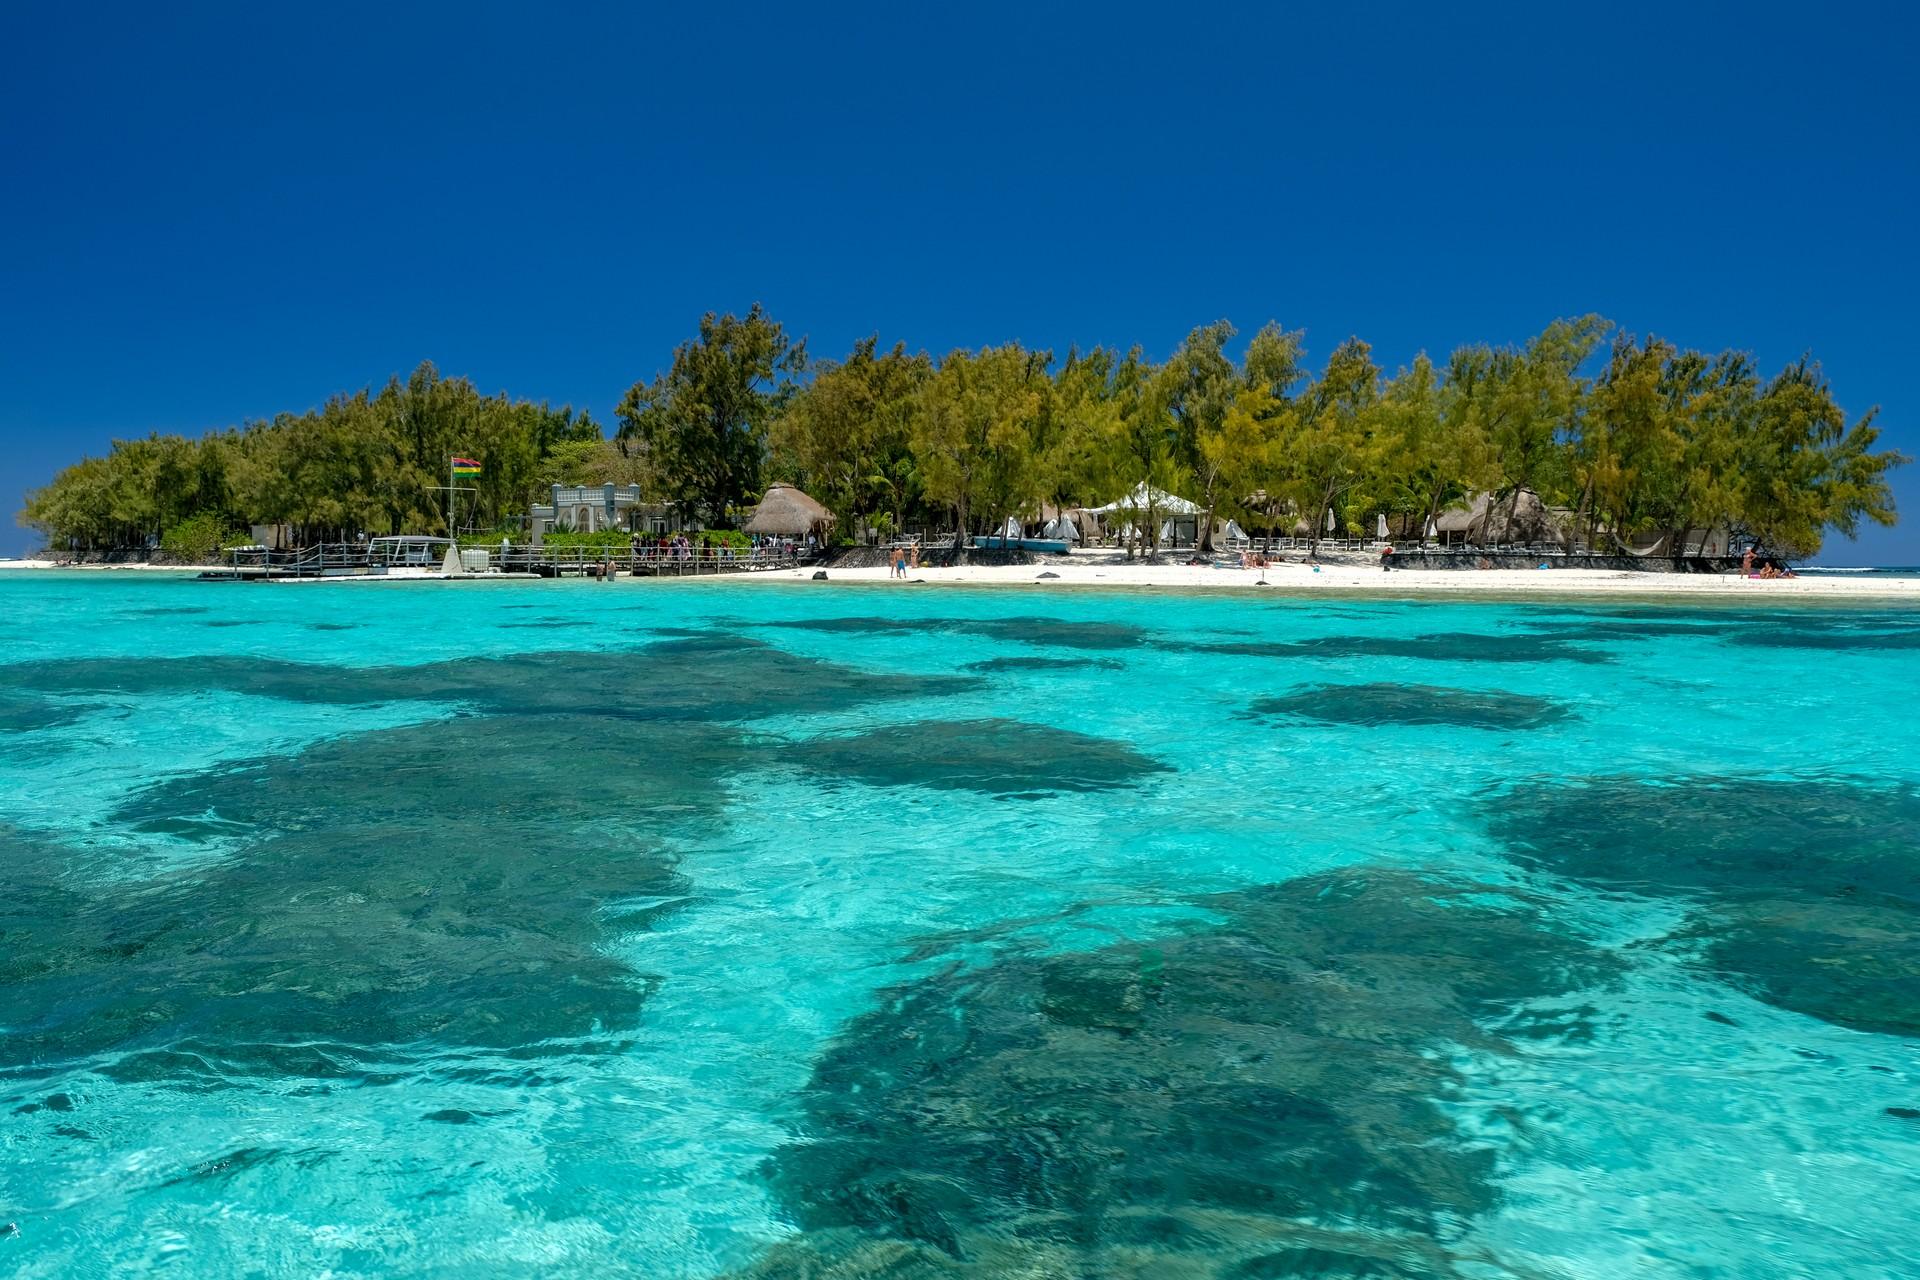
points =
(1320, 522)
(1580, 515)
(1433, 513)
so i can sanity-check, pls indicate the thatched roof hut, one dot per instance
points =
(785, 512)
(1520, 517)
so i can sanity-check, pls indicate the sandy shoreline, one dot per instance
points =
(135, 567)
(1286, 578)
(1293, 578)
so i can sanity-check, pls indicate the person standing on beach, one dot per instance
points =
(1746, 563)
(913, 557)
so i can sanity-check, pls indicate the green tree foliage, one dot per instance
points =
(1432, 450)
(590, 461)
(1331, 437)
(702, 425)
(1241, 461)
(1803, 470)
(847, 437)
(1195, 390)
(1088, 407)
(981, 434)
(367, 462)
(1675, 443)
(1144, 448)
(1639, 445)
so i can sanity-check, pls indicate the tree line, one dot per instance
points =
(1630, 438)
(365, 463)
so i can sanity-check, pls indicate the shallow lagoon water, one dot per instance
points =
(691, 930)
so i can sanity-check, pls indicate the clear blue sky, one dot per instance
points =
(221, 212)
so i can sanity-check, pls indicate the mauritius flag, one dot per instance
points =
(465, 467)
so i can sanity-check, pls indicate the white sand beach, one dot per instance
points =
(130, 567)
(1113, 570)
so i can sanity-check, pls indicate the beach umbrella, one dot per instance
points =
(1433, 530)
(1329, 519)
(1381, 528)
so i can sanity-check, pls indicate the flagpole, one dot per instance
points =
(450, 563)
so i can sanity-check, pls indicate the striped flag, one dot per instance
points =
(465, 467)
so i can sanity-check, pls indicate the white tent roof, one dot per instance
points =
(1063, 528)
(1012, 528)
(1144, 496)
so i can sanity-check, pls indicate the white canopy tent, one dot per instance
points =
(1063, 529)
(1178, 516)
(1145, 497)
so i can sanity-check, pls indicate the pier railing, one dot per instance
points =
(654, 562)
(356, 559)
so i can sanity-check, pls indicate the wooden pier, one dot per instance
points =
(422, 562)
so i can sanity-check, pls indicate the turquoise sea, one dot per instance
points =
(717, 929)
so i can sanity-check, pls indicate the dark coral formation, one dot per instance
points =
(1451, 646)
(382, 897)
(381, 906)
(713, 677)
(1377, 704)
(1255, 1098)
(1840, 640)
(1781, 627)
(24, 713)
(993, 756)
(1810, 890)
(1063, 633)
(995, 666)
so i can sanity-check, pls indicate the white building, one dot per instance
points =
(592, 508)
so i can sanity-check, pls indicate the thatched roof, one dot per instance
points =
(1518, 518)
(1462, 519)
(785, 512)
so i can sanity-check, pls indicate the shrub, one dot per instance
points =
(199, 538)
(604, 540)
